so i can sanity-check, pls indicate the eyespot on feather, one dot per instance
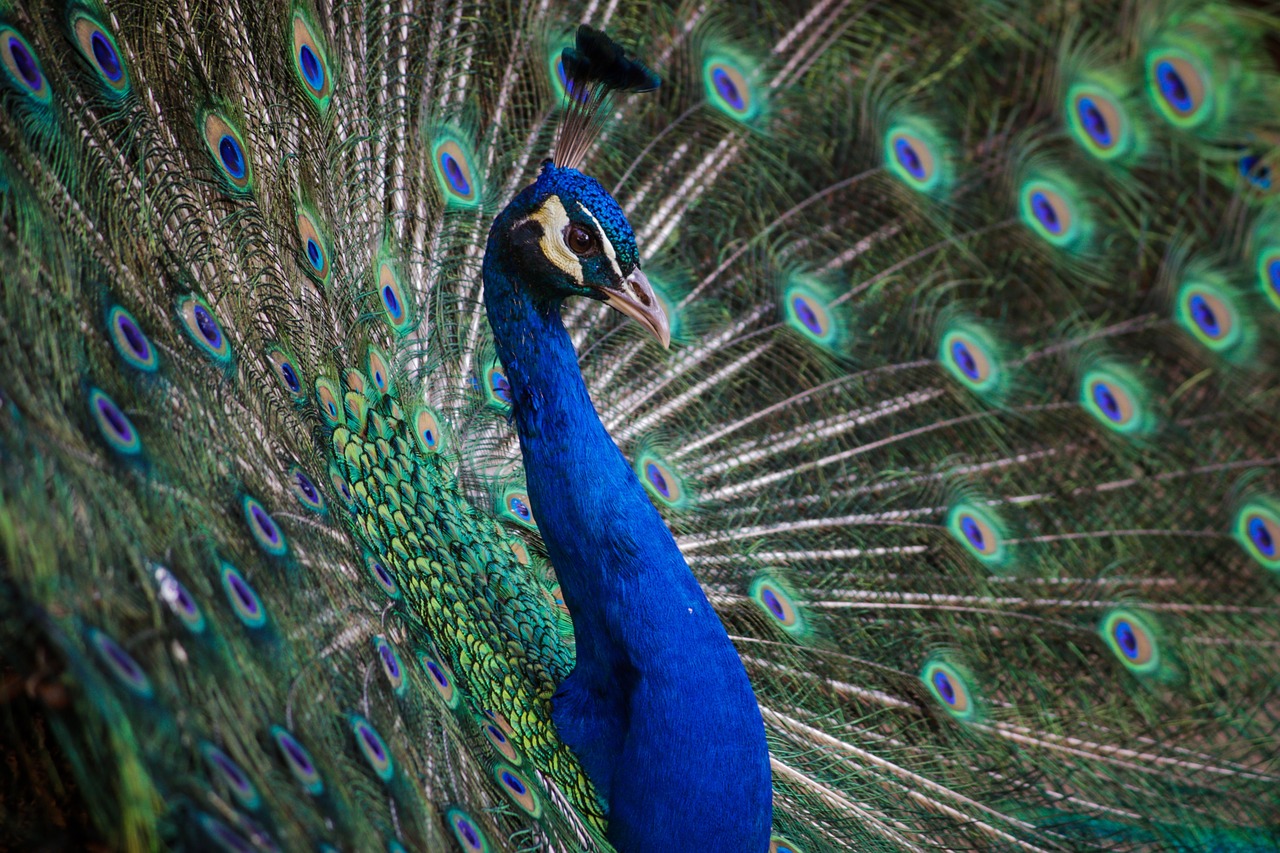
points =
(380, 371)
(441, 679)
(314, 248)
(390, 662)
(286, 370)
(244, 601)
(120, 664)
(310, 63)
(230, 156)
(1099, 121)
(949, 685)
(499, 740)
(224, 836)
(373, 748)
(1180, 86)
(327, 400)
(1132, 640)
(203, 329)
(1211, 311)
(241, 786)
(518, 788)
(395, 307)
(116, 428)
(514, 506)
(454, 172)
(98, 46)
(266, 533)
(298, 760)
(496, 387)
(1257, 530)
(22, 67)
(728, 81)
(179, 600)
(980, 531)
(660, 480)
(382, 576)
(304, 489)
(777, 603)
(1052, 210)
(1115, 398)
(428, 431)
(973, 359)
(466, 832)
(916, 154)
(130, 342)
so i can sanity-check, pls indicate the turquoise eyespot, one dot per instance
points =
(428, 431)
(179, 600)
(21, 65)
(660, 480)
(1052, 210)
(286, 370)
(116, 428)
(242, 788)
(466, 832)
(1132, 640)
(373, 748)
(1180, 86)
(298, 760)
(328, 401)
(980, 531)
(777, 604)
(1116, 399)
(950, 687)
(227, 149)
(971, 357)
(380, 371)
(262, 526)
(916, 154)
(390, 662)
(1257, 529)
(99, 47)
(496, 387)
(499, 740)
(1099, 121)
(395, 307)
(304, 489)
(120, 664)
(310, 65)
(241, 596)
(518, 788)
(807, 308)
(315, 248)
(779, 844)
(454, 172)
(441, 679)
(203, 329)
(130, 342)
(1211, 312)
(383, 577)
(514, 505)
(729, 88)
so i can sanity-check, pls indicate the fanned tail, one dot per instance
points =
(967, 428)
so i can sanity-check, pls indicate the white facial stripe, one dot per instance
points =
(604, 241)
(554, 219)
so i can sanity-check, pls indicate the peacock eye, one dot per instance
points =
(580, 241)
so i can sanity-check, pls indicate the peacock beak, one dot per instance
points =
(635, 298)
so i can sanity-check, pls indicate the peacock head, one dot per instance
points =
(568, 237)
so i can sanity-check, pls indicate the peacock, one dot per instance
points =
(785, 425)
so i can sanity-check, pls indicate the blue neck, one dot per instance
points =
(658, 708)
